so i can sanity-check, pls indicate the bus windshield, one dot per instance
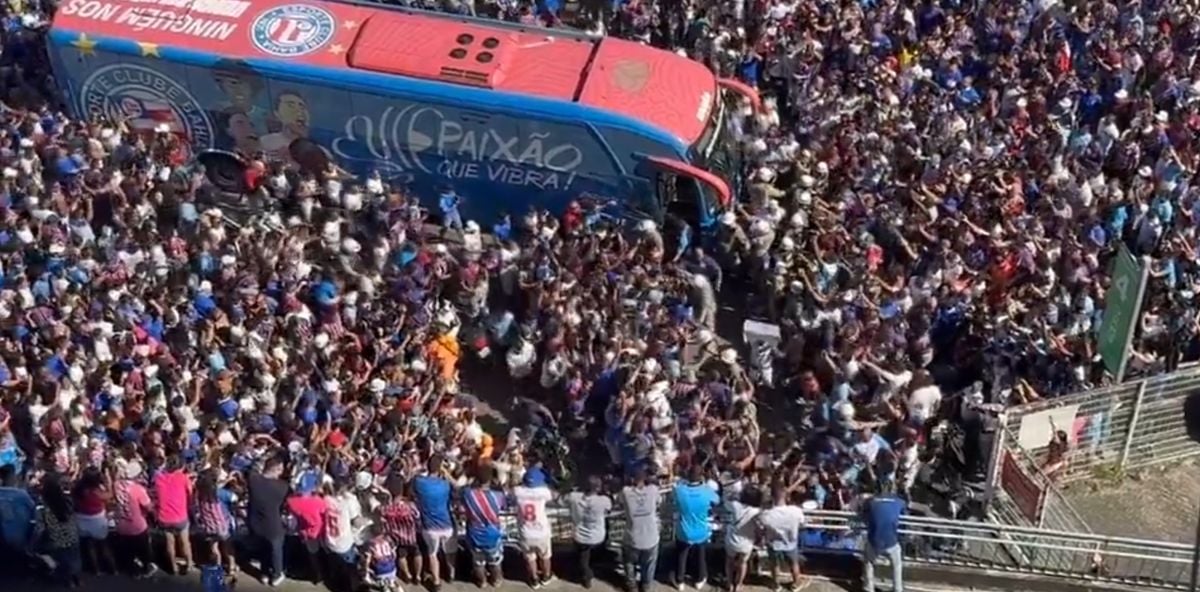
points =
(714, 150)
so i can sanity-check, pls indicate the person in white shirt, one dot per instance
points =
(342, 509)
(534, 525)
(589, 509)
(924, 400)
(781, 526)
(890, 383)
(740, 533)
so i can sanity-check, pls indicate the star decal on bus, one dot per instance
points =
(350, 24)
(149, 50)
(86, 45)
(337, 49)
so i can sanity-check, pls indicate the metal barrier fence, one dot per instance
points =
(975, 545)
(1008, 548)
(1111, 429)
(1024, 496)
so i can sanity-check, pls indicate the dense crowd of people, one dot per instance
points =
(932, 197)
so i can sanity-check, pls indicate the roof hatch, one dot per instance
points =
(460, 53)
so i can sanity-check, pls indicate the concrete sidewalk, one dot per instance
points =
(191, 583)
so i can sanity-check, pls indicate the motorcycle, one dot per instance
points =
(552, 449)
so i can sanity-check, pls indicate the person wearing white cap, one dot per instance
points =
(704, 298)
(651, 239)
(472, 240)
(135, 553)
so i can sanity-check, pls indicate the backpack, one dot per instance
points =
(212, 579)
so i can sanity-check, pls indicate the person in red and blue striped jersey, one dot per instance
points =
(484, 503)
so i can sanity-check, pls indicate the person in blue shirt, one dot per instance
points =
(483, 504)
(448, 203)
(432, 492)
(17, 512)
(694, 502)
(882, 514)
(749, 69)
(503, 228)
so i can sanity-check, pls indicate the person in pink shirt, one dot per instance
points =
(130, 511)
(173, 489)
(309, 511)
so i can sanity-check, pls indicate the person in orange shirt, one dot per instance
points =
(444, 351)
(487, 447)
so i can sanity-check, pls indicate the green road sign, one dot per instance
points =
(1121, 306)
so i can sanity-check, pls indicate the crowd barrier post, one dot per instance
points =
(1133, 423)
(995, 458)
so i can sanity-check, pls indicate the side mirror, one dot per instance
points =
(225, 170)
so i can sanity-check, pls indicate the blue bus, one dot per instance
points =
(507, 117)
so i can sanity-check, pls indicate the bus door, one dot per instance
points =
(690, 193)
(677, 203)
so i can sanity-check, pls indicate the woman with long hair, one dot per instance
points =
(57, 532)
(172, 489)
(92, 495)
(213, 521)
(131, 512)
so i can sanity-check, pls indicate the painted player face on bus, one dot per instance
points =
(241, 130)
(292, 113)
(238, 89)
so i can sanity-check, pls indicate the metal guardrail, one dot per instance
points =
(991, 546)
(966, 544)
(1117, 428)
(1112, 430)
(1024, 496)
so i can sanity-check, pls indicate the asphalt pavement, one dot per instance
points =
(1159, 503)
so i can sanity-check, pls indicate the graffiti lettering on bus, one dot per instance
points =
(426, 139)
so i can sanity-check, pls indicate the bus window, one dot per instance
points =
(687, 202)
(701, 207)
(665, 191)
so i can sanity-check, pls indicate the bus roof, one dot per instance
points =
(663, 89)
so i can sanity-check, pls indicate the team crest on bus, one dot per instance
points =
(149, 100)
(292, 30)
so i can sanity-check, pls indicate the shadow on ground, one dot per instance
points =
(1155, 504)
